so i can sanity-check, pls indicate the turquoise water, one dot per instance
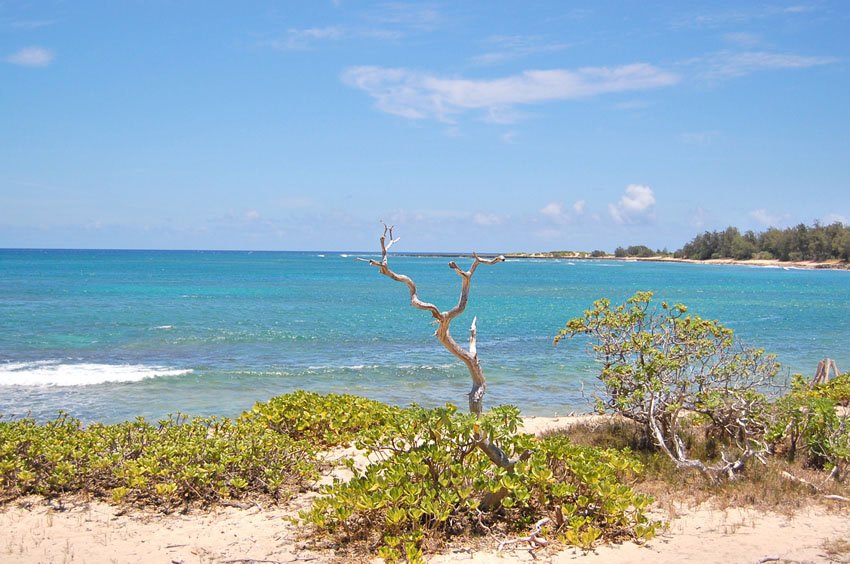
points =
(110, 335)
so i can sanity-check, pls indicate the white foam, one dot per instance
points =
(54, 373)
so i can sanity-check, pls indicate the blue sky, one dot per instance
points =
(490, 126)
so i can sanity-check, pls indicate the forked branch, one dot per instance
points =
(444, 319)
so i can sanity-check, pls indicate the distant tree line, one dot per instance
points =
(638, 251)
(816, 243)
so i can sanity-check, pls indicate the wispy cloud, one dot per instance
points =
(305, 39)
(504, 48)
(419, 16)
(637, 205)
(31, 24)
(508, 137)
(31, 57)
(699, 218)
(742, 39)
(729, 64)
(420, 95)
(301, 39)
(699, 137)
(487, 219)
(295, 202)
(631, 105)
(579, 206)
(555, 212)
(831, 218)
(765, 218)
(740, 15)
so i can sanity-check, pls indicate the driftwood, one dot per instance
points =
(534, 539)
(825, 368)
(444, 319)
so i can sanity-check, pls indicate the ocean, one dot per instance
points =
(112, 335)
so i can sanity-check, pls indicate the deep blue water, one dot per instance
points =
(110, 335)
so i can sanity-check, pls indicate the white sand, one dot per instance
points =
(95, 532)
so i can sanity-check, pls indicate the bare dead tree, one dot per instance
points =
(444, 319)
(825, 368)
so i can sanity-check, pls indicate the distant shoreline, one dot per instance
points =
(803, 265)
(807, 265)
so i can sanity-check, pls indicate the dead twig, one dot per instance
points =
(534, 540)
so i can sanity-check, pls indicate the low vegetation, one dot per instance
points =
(667, 370)
(323, 420)
(431, 483)
(688, 393)
(169, 464)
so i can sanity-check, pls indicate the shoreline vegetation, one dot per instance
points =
(769, 263)
(803, 247)
(742, 522)
(581, 255)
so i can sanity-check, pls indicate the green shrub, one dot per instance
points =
(176, 461)
(431, 482)
(325, 420)
(837, 389)
(807, 419)
(660, 366)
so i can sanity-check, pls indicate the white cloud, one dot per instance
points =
(508, 137)
(309, 38)
(419, 95)
(301, 39)
(728, 64)
(742, 39)
(417, 16)
(555, 212)
(798, 9)
(295, 202)
(831, 218)
(31, 24)
(635, 206)
(251, 215)
(632, 105)
(511, 47)
(699, 137)
(699, 218)
(765, 218)
(740, 15)
(486, 219)
(578, 206)
(552, 209)
(31, 57)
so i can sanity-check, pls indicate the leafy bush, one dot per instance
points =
(837, 389)
(431, 482)
(661, 366)
(176, 461)
(807, 419)
(325, 420)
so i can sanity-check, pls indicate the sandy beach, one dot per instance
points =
(805, 265)
(89, 531)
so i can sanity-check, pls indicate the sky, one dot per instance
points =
(471, 126)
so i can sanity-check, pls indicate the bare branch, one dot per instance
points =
(443, 334)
